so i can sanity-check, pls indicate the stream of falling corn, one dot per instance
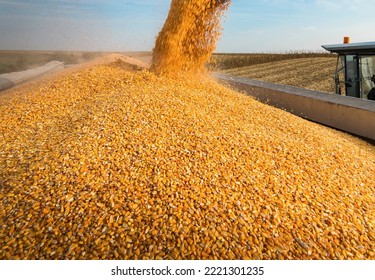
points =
(188, 37)
(114, 163)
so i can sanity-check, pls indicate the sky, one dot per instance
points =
(132, 25)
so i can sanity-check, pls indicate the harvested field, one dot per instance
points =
(226, 61)
(14, 61)
(112, 162)
(314, 73)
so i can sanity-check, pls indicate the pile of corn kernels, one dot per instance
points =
(113, 163)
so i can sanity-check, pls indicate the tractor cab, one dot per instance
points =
(355, 69)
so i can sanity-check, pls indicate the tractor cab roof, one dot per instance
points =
(352, 48)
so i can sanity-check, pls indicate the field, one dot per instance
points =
(307, 70)
(115, 162)
(13, 61)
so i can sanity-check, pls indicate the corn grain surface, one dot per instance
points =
(113, 163)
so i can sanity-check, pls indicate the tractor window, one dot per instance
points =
(367, 70)
(352, 79)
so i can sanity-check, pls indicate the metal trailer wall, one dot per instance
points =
(350, 114)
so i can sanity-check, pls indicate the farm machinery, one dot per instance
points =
(355, 69)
